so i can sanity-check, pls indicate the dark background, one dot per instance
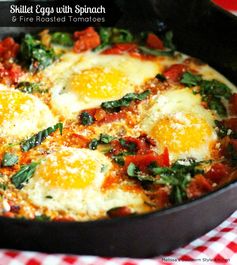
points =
(200, 28)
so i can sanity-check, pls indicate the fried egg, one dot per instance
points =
(71, 180)
(82, 81)
(178, 121)
(22, 115)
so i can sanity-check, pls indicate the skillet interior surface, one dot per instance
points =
(200, 29)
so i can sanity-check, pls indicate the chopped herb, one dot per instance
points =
(211, 91)
(156, 52)
(119, 159)
(49, 197)
(177, 176)
(86, 118)
(104, 139)
(130, 146)
(38, 138)
(34, 54)
(215, 88)
(9, 160)
(216, 105)
(124, 101)
(121, 36)
(110, 36)
(30, 88)
(190, 79)
(42, 218)
(20, 178)
(161, 77)
(134, 172)
(62, 38)
(93, 144)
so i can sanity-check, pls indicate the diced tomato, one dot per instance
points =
(91, 111)
(218, 172)
(143, 161)
(26, 158)
(86, 39)
(121, 48)
(119, 212)
(233, 104)
(165, 160)
(79, 140)
(8, 48)
(116, 147)
(110, 117)
(102, 116)
(142, 145)
(99, 114)
(10, 73)
(15, 72)
(9, 214)
(198, 186)
(154, 42)
(3, 71)
(231, 124)
(175, 72)
(148, 140)
(160, 197)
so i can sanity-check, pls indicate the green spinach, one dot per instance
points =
(109, 36)
(38, 138)
(62, 38)
(177, 176)
(30, 88)
(125, 101)
(9, 160)
(86, 118)
(212, 91)
(20, 178)
(34, 54)
(104, 139)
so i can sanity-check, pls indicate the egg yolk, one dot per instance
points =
(181, 132)
(99, 83)
(12, 104)
(67, 171)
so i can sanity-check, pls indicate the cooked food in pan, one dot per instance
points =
(103, 123)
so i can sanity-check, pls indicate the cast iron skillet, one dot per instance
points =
(203, 30)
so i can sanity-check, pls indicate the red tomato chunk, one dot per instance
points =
(86, 39)
(175, 72)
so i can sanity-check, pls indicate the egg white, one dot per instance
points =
(67, 102)
(177, 104)
(22, 114)
(87, 203)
